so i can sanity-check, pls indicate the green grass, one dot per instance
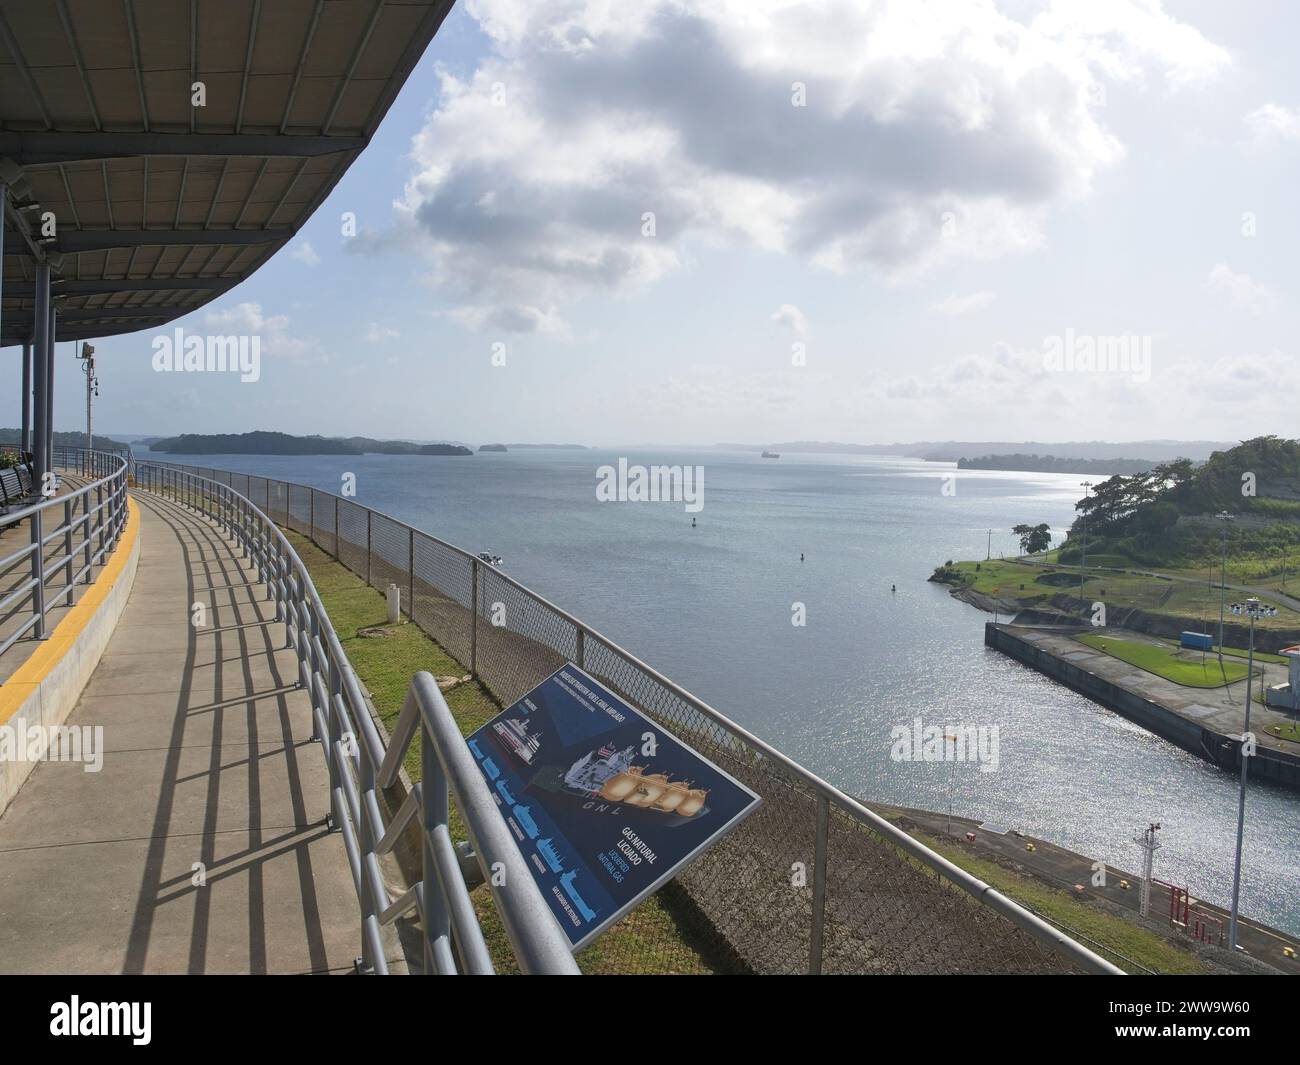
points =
(1115, 933)
(1003, 579)
(1260, 656)
(663, 935)
(1288, 730)
(1164, 661)
(1035, 582)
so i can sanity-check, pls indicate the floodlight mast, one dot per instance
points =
(1253, 609)
(1146, 839)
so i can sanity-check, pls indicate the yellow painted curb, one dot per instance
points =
(27, 677)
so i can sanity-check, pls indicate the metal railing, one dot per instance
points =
(361, 765)
(69, 535)
(876, 899)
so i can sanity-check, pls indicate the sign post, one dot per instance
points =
(604, 804)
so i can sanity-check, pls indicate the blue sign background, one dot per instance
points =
(603, 803)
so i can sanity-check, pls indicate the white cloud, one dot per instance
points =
(1273, 121)
(1243, 292)
(511, 318)
(305, 253)
(792, 318)
(1123, 37)
(378, 334)
(276, 341)
(930, 132)
(958, 304)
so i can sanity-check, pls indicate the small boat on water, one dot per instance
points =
(770, 455)
(491, 560)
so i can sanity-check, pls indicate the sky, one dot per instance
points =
(690, 221)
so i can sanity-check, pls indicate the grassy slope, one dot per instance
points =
(1115, 933)
(662, 935)
(1163, 662)
(1189, 599)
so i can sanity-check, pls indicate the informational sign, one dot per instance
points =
(605, 806)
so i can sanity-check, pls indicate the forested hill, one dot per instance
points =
(267, 443)
(73, 439)
(1167, 515)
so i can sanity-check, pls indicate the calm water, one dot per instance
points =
(711, 607)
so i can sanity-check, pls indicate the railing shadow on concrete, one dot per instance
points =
(874, 899)
(361, 765)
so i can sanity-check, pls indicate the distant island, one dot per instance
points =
(1053, 464)
(78, 439)
(952, 450)
(492, 447)
(268, 443)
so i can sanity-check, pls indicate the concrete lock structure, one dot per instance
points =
(1287, 696)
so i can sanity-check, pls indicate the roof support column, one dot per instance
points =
(49, 390)
(4, 204)
(40, 356)
(25, 440)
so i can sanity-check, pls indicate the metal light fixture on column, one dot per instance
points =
(1253, 609)
(1224, 517)
(1083, 567)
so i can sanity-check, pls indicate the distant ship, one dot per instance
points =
(770, 455)
(490, 559)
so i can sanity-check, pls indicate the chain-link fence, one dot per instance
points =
(811, 882)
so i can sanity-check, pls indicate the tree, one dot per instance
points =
(1034, 538)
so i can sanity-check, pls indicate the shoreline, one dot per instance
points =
(1061, 869)
(1189, 721)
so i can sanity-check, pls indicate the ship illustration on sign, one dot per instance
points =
(515, 735)
(608, 773)
(566, 882)
(524, 816)
(547, 849)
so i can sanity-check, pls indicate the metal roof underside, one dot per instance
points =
(160, 206)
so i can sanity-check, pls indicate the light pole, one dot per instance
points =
(989, 553)
(951, 766)
(1149, 844)
(1224, 517)
(1083, 568)
(87, 355)
(1253, 608)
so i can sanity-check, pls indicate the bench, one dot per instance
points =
(11, 486)
(16, 487)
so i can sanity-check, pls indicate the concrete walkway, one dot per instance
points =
(200, 846)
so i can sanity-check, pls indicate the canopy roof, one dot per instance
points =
(160, 206)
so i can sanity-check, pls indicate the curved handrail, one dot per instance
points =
(356, 755)
(100, 521)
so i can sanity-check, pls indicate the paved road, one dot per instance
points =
(209, 773)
